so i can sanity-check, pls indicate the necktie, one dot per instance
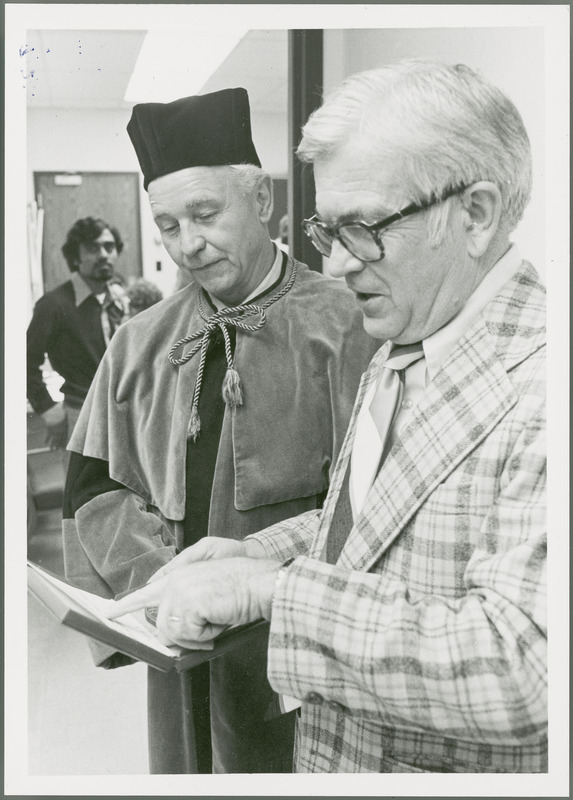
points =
(369, 450)
(375, 422)
(114, 315)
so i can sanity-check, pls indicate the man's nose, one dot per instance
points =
(191, 241)
(103, 252)
(342, 262)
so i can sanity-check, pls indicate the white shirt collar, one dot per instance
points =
(81, 290)
(440, 344)
(270, 278)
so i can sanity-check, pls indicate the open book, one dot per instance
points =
(131, 634)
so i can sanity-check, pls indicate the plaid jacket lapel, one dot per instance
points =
(470, 394)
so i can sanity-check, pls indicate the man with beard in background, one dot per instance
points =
(73, 324)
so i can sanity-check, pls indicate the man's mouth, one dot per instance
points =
(206, 266)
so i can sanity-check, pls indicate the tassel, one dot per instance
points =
(232, 393)
(194, 424)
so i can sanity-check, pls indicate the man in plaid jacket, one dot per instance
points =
(410, 617)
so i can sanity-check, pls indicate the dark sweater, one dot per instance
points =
(72, 337)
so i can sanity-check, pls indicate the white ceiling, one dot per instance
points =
(80, 69)
(259, 63)
(91, 68)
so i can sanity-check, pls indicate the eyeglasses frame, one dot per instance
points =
(376, 228)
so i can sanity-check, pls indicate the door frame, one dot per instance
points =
(305, 88)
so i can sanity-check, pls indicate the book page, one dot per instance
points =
(134, 624)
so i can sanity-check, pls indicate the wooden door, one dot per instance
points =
(66, 197)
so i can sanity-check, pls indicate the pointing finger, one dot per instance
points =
(148, 595)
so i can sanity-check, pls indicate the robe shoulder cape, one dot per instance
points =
(299, 374)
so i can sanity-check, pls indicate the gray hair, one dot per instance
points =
(247, 177)
(440, 125)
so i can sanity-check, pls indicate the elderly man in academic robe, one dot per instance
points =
(219, 411)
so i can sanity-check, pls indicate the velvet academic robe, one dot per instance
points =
(126, 492)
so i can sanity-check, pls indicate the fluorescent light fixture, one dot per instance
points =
(178, 64)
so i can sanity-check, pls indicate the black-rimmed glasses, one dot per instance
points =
(362, 240)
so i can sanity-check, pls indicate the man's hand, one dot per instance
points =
(211, 547)
(199, 601)
(57, 428)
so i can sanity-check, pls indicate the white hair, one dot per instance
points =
(441, 126)
(247, 177)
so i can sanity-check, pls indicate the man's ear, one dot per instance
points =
(264, 198)
(481, 216)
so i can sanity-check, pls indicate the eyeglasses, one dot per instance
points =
(362, 240)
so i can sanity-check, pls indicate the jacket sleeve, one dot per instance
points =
(37, 338)
(474, 668)
(290, 538)
(113, 541)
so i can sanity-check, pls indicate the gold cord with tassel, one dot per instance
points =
(232, 390)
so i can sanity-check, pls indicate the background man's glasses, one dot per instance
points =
(362, 240)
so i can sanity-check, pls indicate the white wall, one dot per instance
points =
(94, 140)
(512, 58)
(270, 135)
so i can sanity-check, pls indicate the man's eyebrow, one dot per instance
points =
(355, 215)
(192, 206)
(157, 215)
(201, 202)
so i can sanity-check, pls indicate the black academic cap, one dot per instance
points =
(208, 130)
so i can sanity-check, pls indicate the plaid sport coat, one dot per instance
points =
(424, 647)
